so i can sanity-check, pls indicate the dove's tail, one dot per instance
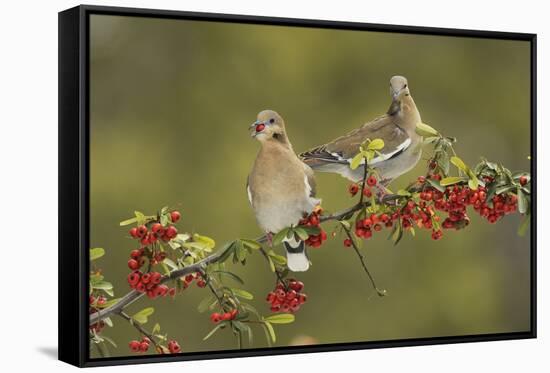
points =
(296, 255)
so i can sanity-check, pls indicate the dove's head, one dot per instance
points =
(268, 125)
(399, 88)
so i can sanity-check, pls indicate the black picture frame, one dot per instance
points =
(74, 191)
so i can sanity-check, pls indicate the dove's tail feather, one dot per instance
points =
(296, 255)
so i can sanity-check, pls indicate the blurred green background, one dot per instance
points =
(171, 102)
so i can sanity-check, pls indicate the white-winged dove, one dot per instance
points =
(401, 150)
(281, 188)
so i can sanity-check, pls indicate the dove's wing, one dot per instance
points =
(344, 148)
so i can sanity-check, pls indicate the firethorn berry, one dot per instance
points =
(133, 264)
(367, 192)
(158, 229)
(135, 254)
(172, 292)
(134, 346)
(314, 220)
(141, 231)
(173, 347)
(523, 180)
(353, 189)
(421, 179)
(175, 216)
(260, 127)
(433, 165)
(347, 242)
(143, 346)
(215, 317)
(171, 232)
(134, 232)
(371, 181)
(133, 278)
(201, 283)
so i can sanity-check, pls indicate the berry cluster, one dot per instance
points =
(287, 297)
(149, 283)
(453, 201)
(140, 346)
(371, 181)
(95, 305)
(157, 232)
(226, 316)
(313, 220)
(187, 280)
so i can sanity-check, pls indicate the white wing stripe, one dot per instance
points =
(383, 157)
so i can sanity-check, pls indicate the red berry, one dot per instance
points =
(347, 242)
(215, 317)
(155, 277)
(157, 228)
(135, 254)
(377, 227)
(234, 313)
(353, 189)
(371, 181)
(421, 179)
(260, 127)
(133, 278)
(201, 283)
(141, 287)
(297, 286)
(171, 232)
(367, 192)
(141, 231)
(175, 216)
(134, 232)
(133, 264)
(134, 346)
(302, 299)
(174, 347)
(146, 278)
(523, 180)
(143, 346)
(314, 220)
(226, 316)
(189, 278)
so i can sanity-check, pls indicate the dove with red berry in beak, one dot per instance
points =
(396, 128)
(281, 188)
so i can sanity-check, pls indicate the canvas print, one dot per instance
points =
(262, 186)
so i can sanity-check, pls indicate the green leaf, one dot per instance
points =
(431, 139)
(140, 218)
(425, 130)
(280, 318)
(397, 233)
(226, 251)
(345, 224)
(403, 192)
(251, 244)
(103, 285)
(311, 231)
(270, 331)
(356, 161)
(142, 316)
(301, 232)
(271, 264)
(109, 340)
(522, 202)
(376, 144)
(524, 225)
(436, 185)
(452, 180)
(504, 189)
(242, 294)
(156, 329)
(280, 236)
(473, 183)
(96, 253)
(170, 263)
(278, 259)
(128, 222)
(216, 328)
(231, 275)
(206, 303)
(206, 241)
(459, 163)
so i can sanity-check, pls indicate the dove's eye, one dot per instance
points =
(271, 121)
(405, 86)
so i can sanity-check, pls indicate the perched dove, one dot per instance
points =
(281, 188)
(401, 150)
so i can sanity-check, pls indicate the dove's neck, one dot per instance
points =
(278, 139)
(406, 110)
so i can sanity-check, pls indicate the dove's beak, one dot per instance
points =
(257, 126)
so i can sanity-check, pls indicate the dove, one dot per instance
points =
(281, 188)
(396, 128)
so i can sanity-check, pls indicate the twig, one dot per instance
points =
(363, 263)
(140, 329)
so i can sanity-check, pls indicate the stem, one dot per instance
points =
(280, 277)
(365, 172)
(140, 329)
(380, 292)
